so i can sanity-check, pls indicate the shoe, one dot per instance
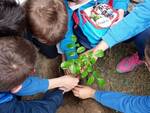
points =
(128, 64)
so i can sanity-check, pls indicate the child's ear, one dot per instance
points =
(16, 89)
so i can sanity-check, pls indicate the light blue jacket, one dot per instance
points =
(137, 21)
(123, 102)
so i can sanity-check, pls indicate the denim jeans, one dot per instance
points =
(140, 41)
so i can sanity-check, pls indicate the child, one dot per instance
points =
(119, 101)
(17, 59)
(90, 41)
(12, 18)
(135, 25)
(47, 21)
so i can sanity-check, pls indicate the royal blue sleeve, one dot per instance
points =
(67, 39)
(123, 102)
(33, 85)
(137, 21)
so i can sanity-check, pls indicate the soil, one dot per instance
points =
(136, 82)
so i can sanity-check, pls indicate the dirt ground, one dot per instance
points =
(136, 82)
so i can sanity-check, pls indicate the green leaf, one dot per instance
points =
(74, 69)
(70, 46)
(78, 68)
(101, 82)
(72, 61)
(99, 53)
(74, 38)
(65, 65)
(77, 45)
(84, 74)
(85, 62)
(90, 54)
(83, 57)
(92, 60)
(81, 49)
(71, 53)
(90, 69)
(90, 80)
(95, 74)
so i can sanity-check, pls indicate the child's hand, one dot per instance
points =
(67, 83)
(83, 92)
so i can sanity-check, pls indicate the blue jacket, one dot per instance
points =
(137, 21)
(32, 85)
(117, 4)
(123, 102)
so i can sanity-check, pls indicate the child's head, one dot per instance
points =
(47, 19)
(147, 55)
(12, 18)
(17, 59)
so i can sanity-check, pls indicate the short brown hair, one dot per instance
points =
(47, 19)
(17, 59)
(12, 18)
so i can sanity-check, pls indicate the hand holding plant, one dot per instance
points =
(67, 83)
(83, 92)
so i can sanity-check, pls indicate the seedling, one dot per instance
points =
(84, 65)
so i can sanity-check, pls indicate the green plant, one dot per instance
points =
(84, 65)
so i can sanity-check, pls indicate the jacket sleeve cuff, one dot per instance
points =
(97, 95)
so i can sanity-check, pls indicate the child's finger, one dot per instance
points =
(75, 93)
(76, 89)
(80, 86)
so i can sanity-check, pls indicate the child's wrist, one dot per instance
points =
(93, 91)
(54, 83)
(101, 46)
